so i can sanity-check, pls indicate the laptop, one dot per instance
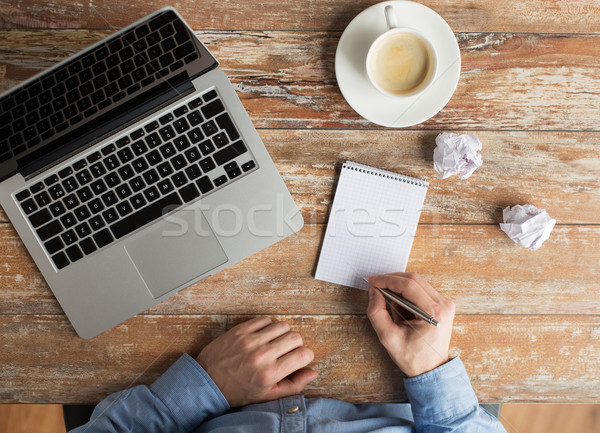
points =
(131, 171)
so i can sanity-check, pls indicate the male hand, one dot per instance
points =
(258, 361)
(414, 345)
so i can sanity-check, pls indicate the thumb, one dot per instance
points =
(293, 384)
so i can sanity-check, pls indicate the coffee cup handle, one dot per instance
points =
(390, 17)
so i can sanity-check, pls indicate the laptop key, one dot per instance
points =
(29, 206)
(220, 180)
(68, 220)
(22, 195)
(70, 184)
(123, 191)
(208, 96)
(209, 128)
(206, 147)
(151, 176)
(54, 245)
(165, 186)
(179, 179)
(82, 213)
(224, 121)
(195, 135)
(84, 177)
(110, 215)
(37, 187)
(228, 153)
(189, 193)
(193, 172)
(146, 215)
(181, 143)
(207, 164)
(220, 140)
(74, 253)
(109, 199)
(69, 237)
(248, 165)
(40, 218)
(180, 111)
(124, 208)
(213, 108)
(83, 230)
(60, 260)
(87, 246)
(152, 126)
(234, 173)
(71, 201)
(178, 162)
(42, 199)
(85, 194)
(57, 209)
(137, 201)
(195, 117)
(204, 184)
(151, 193)
(103, 238)
(112, 179)
(49, 230)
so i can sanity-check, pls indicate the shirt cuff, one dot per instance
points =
(442, 394)
(189, 393)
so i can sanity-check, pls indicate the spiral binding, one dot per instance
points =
(384, 174)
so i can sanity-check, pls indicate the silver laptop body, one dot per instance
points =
(247, 208)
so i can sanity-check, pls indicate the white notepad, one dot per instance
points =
(372, 223)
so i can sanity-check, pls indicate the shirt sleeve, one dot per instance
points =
(442, 400)
(182, 398)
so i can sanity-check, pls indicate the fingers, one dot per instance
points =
(409, 288)
(293, 361)
(252, 325)
(284, 344)
(422, 282)
(380, 319)
(294, 384)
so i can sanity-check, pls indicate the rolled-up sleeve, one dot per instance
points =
(443, 400)
(178, 401)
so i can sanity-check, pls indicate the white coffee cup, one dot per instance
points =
(401, 62)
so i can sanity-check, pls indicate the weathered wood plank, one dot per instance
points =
(483, 15)
(287, 79)
(509, 358)
(477, 266)
(553, 170)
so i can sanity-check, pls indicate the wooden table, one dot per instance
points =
(528, 323)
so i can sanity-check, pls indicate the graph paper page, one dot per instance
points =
(372, 223)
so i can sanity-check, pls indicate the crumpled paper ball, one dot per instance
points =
(527, 225)
(456, 154)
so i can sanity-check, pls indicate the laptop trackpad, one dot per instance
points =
(177, 251)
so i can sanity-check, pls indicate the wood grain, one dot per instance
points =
(484, 15)
(482, 270)
(287, 79)
(550, 418)
(508, 358)
(39, 418)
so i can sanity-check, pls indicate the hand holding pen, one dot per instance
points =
(414, 345)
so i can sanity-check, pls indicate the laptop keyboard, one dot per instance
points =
(171, 160)
(93, 83)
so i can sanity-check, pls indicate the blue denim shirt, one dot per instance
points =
(185, 399)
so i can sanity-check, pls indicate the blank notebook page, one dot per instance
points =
(372, 223)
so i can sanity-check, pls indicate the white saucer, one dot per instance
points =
(351, 73)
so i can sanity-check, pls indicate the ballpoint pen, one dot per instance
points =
(405, 304)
